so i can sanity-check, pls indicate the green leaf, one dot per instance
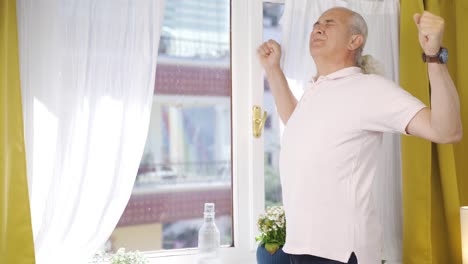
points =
(271, 247)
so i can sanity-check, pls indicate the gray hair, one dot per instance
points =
(358, 26)
(367, 63)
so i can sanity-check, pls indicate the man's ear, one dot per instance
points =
(355, 42)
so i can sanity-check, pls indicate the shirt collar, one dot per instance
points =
(345, 72)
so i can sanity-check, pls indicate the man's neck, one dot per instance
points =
(326, 67)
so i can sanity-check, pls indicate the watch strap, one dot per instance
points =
(437, 58)
(431, 59)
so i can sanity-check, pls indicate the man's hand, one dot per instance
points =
(269, 54)
(431, 31)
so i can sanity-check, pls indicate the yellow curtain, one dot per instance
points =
(16, 239)
(435, 177)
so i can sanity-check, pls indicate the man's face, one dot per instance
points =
(331, 34)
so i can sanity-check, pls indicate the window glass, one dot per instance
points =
(187, 156)
(272, 13)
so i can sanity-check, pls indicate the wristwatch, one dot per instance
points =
(441, 57)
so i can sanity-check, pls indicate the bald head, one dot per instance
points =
(338, 38)
(357, 24)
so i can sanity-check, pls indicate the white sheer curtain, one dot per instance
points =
(383, 43)
(87, 72)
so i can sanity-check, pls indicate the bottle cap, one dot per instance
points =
(209, 207)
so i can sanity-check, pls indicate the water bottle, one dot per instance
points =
(208, 235)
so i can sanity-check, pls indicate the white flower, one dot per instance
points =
(270, 223)
(122, 257)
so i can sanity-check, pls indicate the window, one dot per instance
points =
(185, 121)
(187, 156)
(272, 13)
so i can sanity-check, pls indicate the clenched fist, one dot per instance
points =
(269, 54)
(431, 31)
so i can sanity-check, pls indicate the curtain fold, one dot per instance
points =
(16, 237)
(87, 72)
(435, 181)
(382, 18)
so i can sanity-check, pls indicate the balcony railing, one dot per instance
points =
(193, 48)
(184, 173)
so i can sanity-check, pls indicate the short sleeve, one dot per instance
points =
(387, 107)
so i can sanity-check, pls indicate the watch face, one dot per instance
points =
(443, 56)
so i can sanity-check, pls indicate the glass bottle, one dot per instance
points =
(208, 235)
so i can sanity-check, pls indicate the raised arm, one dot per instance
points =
(442, 122)
(269, 54)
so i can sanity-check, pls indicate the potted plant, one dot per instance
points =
(272, 227)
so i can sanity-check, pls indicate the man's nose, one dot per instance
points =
(318, 30)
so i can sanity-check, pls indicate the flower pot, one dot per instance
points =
(264, 257)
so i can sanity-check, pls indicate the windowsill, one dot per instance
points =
(226, 256)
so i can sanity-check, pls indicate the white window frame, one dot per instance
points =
(248, 152)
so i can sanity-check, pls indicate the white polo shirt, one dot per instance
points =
(328, 161)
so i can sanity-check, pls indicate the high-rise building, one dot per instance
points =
(196, 28)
